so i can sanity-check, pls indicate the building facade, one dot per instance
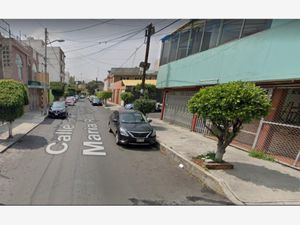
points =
(214, 51)
(55, 59)
(113, 81)
(20, 62)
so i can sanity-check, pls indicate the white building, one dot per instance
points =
(55, 59)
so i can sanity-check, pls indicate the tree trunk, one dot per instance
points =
(220, 152)
(10, 130)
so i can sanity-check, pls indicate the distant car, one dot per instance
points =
(158, 107)
(82, 96)
(96, 102)
(91, 97)
(58, 110)
(129, 106)
(70, 101)
(76, 97)
(131, 127)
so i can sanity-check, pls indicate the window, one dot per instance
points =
(173, 50)
(165, 52)
(19, 64)
(231, 30)
(211, 34)
(196, 36)
(183, 44)
(253, 26)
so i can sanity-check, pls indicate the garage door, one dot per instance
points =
(176, 109)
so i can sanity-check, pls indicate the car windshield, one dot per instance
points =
(132, 118)
(96, 100)
(70, 98)
(58, 105)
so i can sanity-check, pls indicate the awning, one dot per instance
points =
(135, 82)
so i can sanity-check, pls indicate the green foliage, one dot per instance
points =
(127, 97)
(13, 97)
(228, 106)
(70, 90)
(104, 95)
(150, 91)
(261, 155)
(144, 105)
(57, 89)
(208, 155)
(91, 86)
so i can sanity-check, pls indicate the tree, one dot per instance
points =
(57, 89)
(70, 90)
(104, 95)
(72, 80)
(227, 107)
(13, 97)
(91, 87)
(150, 91)
(144, 105)
(127, 97)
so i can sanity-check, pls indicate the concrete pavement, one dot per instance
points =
(251, 182)
(21, 126)
(38, 169)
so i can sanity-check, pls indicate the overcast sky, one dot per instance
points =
(87, 42)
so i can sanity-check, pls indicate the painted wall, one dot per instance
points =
(273, 54)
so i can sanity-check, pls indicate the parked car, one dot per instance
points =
(76, 97)
(158, 107)
(129, 106)
(82, 96)
(131, 127)
(70, 100)
(91, 97)
(96, 102)
(58, 110)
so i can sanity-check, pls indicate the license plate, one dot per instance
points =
(140, 140)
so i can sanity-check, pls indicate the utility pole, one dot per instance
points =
(150, 30)
(45, 90)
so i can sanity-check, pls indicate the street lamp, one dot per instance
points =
(46, 44)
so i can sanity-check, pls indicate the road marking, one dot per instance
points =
(95, 143)
(64, 135)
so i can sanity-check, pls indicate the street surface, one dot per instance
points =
(76, 162)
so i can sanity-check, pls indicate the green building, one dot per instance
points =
(214, 51)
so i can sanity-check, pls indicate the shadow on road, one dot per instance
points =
(29, 142)
(140, 147)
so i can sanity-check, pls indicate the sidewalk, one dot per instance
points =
(251, 182)
(21, 127)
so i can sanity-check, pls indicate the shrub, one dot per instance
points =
(127, 97)
(144, 105)
(228, 106)
(104, 95)
(261, 155)
(57, 89)
(13, 97)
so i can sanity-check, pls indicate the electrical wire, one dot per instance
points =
(135, 51)
(82, 28)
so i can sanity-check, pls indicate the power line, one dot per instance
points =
(76, 49)
(167, 26)
(82, 28)
(135, 51)
(119, 42)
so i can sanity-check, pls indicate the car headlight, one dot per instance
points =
(153, 133)
(123, 132)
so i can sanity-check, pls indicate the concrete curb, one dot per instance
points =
(204, 176)
(15, 140)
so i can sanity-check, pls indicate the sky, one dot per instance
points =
(94, 46)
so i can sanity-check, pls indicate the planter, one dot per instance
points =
(213, 165)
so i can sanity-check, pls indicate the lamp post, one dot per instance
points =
(46, 44)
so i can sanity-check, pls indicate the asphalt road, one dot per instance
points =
(39, 170)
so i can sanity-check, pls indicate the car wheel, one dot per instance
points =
(118, 139)
(109, 129)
